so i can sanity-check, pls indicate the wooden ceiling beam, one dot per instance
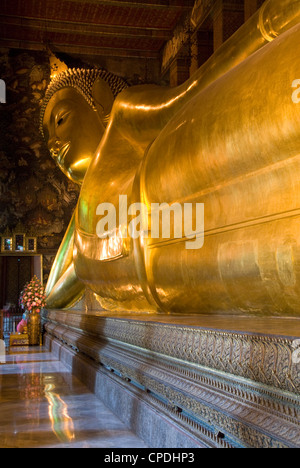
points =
(92, 30)
(164, 4)
(80, 50)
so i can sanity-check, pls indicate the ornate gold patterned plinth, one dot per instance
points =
(208, 381)
(18, 339)
(34, 328)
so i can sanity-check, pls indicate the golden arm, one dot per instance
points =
(63, 288)
(141, 112)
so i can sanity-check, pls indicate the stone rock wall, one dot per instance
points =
(33, 191)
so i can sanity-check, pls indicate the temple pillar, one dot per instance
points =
(251, 6)
(179, 70)
(201, 49)
(228, 18)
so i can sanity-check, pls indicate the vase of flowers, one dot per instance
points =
(33, 300)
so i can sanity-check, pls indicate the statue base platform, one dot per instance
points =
(188, 381)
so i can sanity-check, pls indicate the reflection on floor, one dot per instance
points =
(43, 405)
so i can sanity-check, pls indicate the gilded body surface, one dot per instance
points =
(229, 139)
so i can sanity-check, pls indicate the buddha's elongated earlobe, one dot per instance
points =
(103, 99)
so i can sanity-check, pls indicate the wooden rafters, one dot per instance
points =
(109, 27)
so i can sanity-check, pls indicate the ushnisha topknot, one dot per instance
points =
(82, 80)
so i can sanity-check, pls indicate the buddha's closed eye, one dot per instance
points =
(61, 117)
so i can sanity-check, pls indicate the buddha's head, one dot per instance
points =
(74, 116)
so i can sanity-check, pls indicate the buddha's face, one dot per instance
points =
(73, 131)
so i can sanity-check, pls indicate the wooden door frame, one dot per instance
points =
(21, 254)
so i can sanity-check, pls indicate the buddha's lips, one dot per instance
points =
(62, 153)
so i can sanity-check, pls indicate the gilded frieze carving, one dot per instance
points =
(242, 385)
(262, 358)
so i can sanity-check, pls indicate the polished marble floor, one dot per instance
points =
(42, 405)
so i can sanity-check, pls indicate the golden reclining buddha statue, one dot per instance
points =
(227, 140)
